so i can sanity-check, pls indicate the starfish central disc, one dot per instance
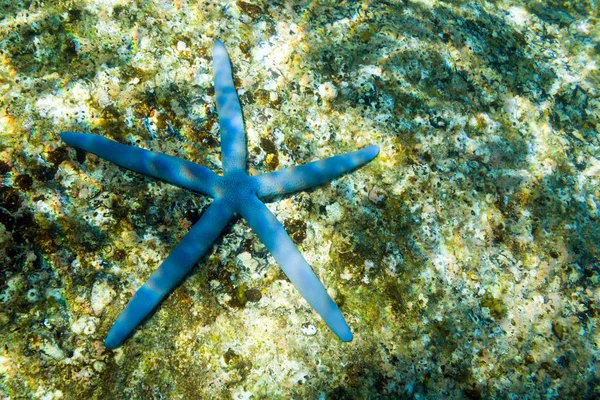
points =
(237, 189)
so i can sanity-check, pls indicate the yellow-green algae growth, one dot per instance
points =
(465, 257)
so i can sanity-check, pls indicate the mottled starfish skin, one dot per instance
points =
(234, 193)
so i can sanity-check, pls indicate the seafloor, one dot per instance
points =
(465, 258)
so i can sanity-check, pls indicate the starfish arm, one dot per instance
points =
(279, 244)
(170, 273)
(314, 173)
(169, 168)
(231, 121)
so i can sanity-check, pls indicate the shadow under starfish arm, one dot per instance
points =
(273, 235)
(314, 173)
(171, 272)
(162, 166)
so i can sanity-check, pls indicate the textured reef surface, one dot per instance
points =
(465, 258)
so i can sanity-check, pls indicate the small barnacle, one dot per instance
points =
(375, 195)
(365, 32)
(327, 91)
(99, 366)
(529, 359)
(438, 122)
(473, 276)
(32, 295)
(230, 356)
(558, 329)
(309, 329)
(253, 295)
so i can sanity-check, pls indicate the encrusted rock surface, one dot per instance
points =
(465, 258)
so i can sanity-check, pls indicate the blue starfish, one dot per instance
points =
(234, 193)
